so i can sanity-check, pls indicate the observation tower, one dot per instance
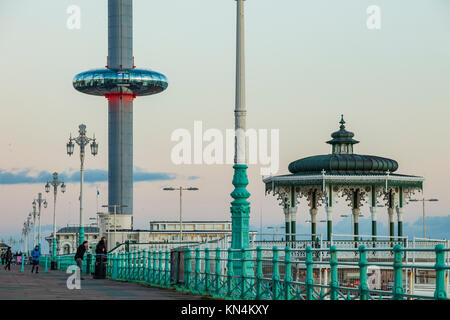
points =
(120, 82)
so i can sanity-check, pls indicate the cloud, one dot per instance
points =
(28, 176)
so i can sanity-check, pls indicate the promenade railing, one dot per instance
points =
(279, 273)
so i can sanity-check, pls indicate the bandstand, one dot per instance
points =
(324, 179)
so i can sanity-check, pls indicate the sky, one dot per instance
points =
(307, 63)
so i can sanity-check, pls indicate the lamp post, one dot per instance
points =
(423, 211)
(82, 140)
(33, 215)
(55, 183)
(115, 206)
(181, 204)
(275, 236)
(39, 202)
(352, 223)
(27, 231)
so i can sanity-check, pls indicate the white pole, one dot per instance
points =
(240, 112)
(423, 213)
(181, 214)
(115, 225)
(81, 239)
(39, 217)
(54, 221)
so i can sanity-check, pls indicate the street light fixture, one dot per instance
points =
(82, 140)
(181, 204)
(55, 183)
(39, 202)
(423, 200)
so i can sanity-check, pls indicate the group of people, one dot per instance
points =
(100, 252)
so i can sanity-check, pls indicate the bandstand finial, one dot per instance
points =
(342, 122)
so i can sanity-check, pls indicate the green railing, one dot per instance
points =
(64, 261)
(261, 273)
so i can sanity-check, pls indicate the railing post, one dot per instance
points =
(46, 259)
(167, 270)
(207, 271)
(187, 268)
(217, 272)
(440, 292)
(230, 273)
(259, 273)
(309, 274)
(22, 268)
(155, 267)
(398, 290)
(115, 266)
(161, 270)
(244, 273)
(275, 274)
(334, 283)
(197, 270)
(287, 273)
(148, 266)
(363, 272)
(128, 266)
(144, 265)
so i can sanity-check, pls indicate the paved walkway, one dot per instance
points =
(15, 285)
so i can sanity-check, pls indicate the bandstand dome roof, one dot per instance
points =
(343, 164)
(342, 160)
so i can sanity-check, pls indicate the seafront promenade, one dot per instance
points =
(51, 285)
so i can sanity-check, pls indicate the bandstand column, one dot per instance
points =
(329, 209)
(313, 213)
(287, 221)
(400, 215)
(293, 223)
(391, 214)
(355, 212)
(373, 211)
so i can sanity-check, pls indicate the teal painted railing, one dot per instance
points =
(64, 261)
(271, 276)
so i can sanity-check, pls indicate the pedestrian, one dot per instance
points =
(8, 258)
(79, 256)
(101, 246)
(3, 258)
(35, 255)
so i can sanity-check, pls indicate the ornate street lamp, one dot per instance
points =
(181, 205)
(39, 202)
(82, 140)
(55, 183)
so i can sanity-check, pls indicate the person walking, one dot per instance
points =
(81, 250)
(8, 258)
(35, 255)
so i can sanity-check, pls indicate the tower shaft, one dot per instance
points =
(120, 34)
(120, 107)
(120, 151)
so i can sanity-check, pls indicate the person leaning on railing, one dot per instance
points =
(79, 256)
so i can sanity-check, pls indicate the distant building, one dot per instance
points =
(67, 238)
(159, 232)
